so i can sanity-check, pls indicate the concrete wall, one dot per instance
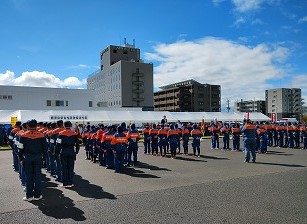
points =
(35, 98)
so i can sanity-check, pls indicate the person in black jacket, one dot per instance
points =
(67, 144)
(31, 147)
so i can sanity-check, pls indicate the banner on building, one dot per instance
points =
(246, 116)
(273, 117)
(69, 117)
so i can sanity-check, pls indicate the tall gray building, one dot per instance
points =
(251, 106)
(188, 96)
(123, 79)
(284, 102)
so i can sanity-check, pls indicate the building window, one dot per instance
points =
(66, 103)
(114, 51)
(48, 103)
(6, 97)
(90, 103)
(59, 103)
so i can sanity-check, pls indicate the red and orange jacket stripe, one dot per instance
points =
(119, 140)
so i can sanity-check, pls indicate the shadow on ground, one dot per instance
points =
(130, 171)
(213, 157)
(85, 189)
(56, 205)
(280, 164)
(150, 167)
(278, 153)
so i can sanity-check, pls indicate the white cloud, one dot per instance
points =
(38, 79)
(299, 81)
(217, 2)
(303, 20)
(240, 20)
(247, 5)
(242, 71)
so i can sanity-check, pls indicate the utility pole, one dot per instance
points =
(228, 107)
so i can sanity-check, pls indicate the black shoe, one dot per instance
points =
(246, 161)
(253, 161)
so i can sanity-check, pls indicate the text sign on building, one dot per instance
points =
(68, 117)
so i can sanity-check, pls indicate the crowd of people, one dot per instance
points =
(54, 146)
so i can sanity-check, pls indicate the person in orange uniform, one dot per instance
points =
(172, 138)
(154, 139)
(196, 135)
(249, 131)
(225, 130)
(106, 146)
(146, 137)
(133, 137)
(119, 143)
(68, 144)
(32, 146)
(235, 130)
(185, 139)
(162, 134)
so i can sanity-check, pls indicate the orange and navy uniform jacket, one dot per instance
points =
(213, 131)
(260, 133)
(235, 131)
(225, 131)
(172, 136)
(67, 142)
(133, 137)
(185, 134)
(154, 135)
(196, 135)
(106, 140)
(17, 138)
(53, 138)
(249, 131)
(146, 135)
(31, 143)
(119, 142)
(162, 134)
(12, 136)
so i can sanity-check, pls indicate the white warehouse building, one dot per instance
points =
(41, 98)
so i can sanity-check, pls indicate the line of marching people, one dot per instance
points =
(117, 147)
(53, 146)
(267, 134)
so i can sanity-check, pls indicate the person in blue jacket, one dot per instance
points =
(133, 138)
(31, 147)
(249, 142)
(68, 146)
(119, 144)
(196, 135)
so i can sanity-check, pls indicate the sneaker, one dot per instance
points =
(39, 198)
(27, 199)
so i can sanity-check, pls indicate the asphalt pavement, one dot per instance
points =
(217, 187)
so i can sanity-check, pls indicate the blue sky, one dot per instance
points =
(246, 46)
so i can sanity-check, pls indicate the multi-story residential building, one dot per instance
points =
(123, 79)
(187, 96)
(41, 98)
(284, 102)
(250, 106)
